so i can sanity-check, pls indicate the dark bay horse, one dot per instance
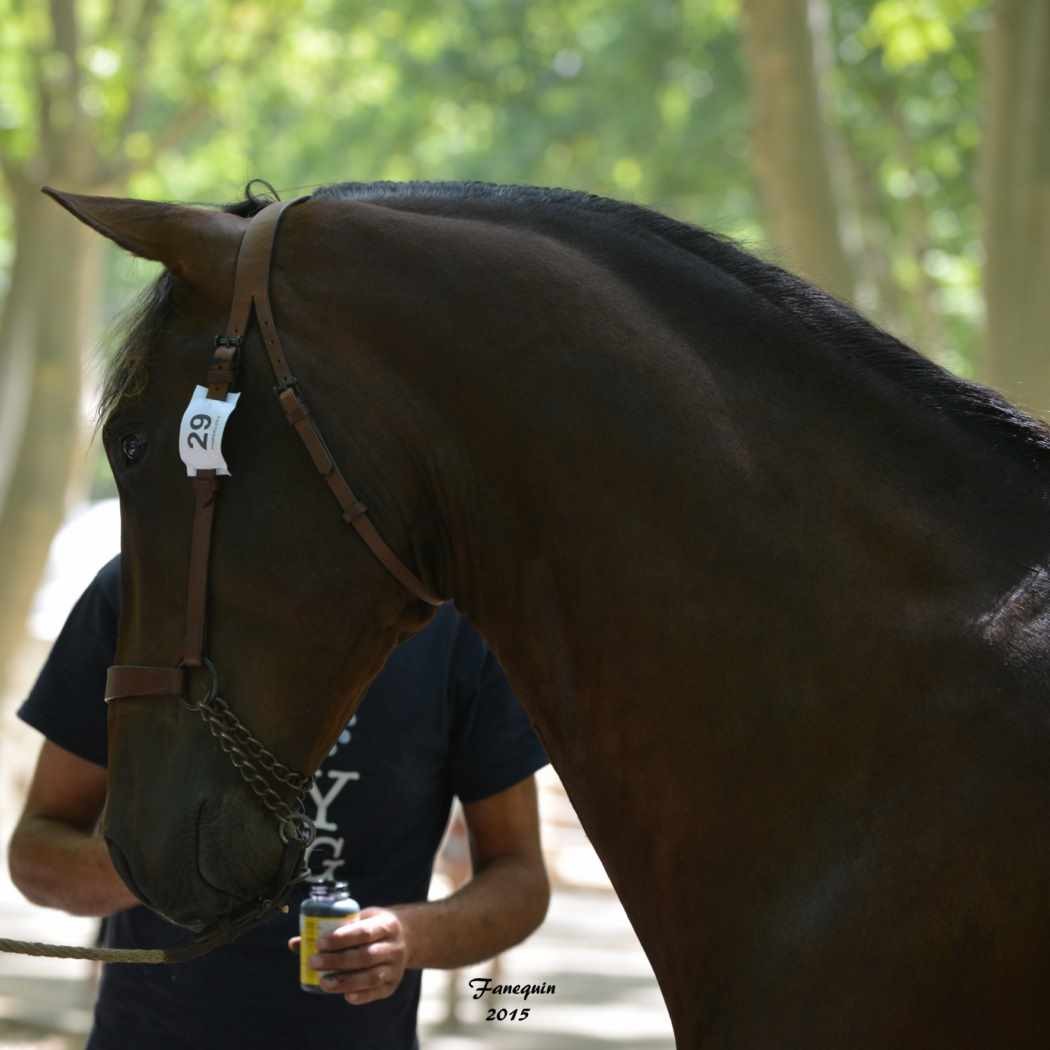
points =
(773, 588)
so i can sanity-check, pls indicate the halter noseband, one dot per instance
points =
(266, 775)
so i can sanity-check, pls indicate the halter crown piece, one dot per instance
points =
(270, 779)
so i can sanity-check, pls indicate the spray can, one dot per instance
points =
(328, 907)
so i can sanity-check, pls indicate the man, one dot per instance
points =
(439, 721)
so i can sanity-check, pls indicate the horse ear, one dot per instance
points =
(198, 244)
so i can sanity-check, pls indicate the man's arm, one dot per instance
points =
(55, 857)
(501, 905)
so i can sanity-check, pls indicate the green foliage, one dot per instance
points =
(643, 101)
(905, 94)
(909, 32)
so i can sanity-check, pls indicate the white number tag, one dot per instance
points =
(200, 435)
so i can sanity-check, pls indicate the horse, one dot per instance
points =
(772, 587)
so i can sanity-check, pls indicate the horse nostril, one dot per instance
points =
(120, 862)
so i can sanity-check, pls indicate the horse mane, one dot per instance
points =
(976, 409)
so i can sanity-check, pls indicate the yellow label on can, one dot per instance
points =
(311, 929)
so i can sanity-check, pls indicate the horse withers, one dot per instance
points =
(771, 586)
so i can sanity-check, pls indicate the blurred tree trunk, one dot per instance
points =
(45, 327)
(49, 316)
(18, 319)
(1016, 201)
(790, 149)
(48, 320)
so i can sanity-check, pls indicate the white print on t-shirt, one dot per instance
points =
(330, 845)
(341, 778)
(329, 865)
(344, 737)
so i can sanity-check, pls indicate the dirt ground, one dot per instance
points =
(25, 1037)
(605, 994)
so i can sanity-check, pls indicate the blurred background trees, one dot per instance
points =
(895, 152)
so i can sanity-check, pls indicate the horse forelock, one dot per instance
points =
(975, 409)
(125, 370)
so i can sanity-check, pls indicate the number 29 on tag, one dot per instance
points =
(201, 430)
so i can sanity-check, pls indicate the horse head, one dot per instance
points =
(190, 827)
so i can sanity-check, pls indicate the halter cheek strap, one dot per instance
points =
(252, 286)
(252, 289)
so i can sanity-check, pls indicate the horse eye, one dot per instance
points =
(133, 447)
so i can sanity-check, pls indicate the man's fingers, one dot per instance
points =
(360, 958)
(374, 979)
(360, 931)
(293, 944)
(364, 960)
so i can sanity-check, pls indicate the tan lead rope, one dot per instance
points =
(143, 956)
(180, 953)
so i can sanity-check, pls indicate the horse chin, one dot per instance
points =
(178, 904)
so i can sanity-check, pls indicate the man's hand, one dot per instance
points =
(363, 960)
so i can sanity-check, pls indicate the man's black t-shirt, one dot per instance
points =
(440, 720)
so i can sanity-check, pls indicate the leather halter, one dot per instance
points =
(251, 291)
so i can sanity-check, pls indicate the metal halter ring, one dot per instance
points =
(297, 828)
(213, 688)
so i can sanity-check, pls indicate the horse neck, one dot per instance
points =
(687, 592)
(651, 454)
(701, 553)
(603, 479)
(640, 427)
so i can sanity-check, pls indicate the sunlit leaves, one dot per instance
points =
(910, 31)
(905, 102)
